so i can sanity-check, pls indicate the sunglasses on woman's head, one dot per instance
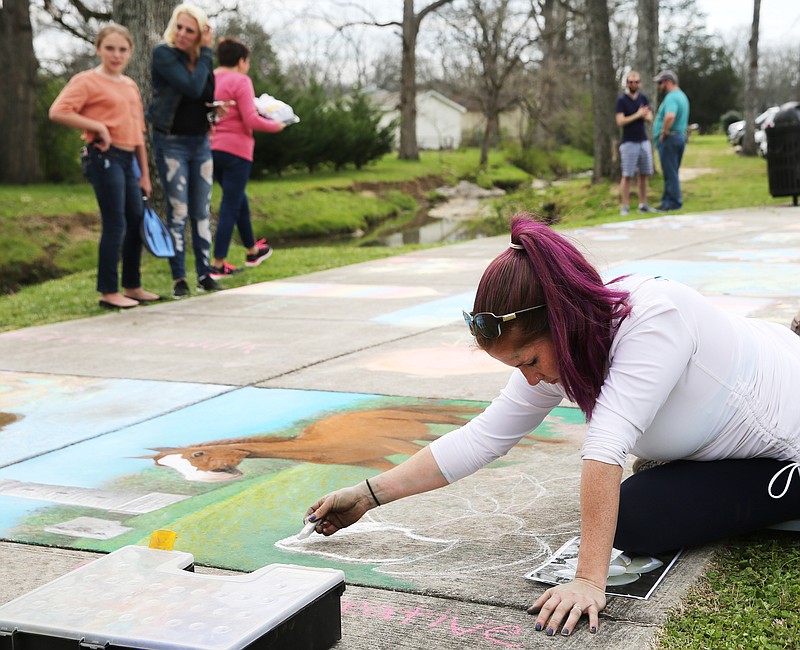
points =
(487, 324)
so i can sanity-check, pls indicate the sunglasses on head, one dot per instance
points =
(487, 324)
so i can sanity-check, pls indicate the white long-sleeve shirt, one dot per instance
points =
(686, 381)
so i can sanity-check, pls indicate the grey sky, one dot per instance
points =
(779, 20)
(298, 26)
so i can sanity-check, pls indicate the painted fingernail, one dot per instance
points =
(550, 631)
(312, 518)
(564, 631)
(538, 627)
(594, 629)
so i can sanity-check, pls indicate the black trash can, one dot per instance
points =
(783, 152)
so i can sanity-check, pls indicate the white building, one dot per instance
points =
(438, 118)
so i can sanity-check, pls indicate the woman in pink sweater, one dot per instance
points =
(232, 146)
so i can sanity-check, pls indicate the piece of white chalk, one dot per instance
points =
(307, 530)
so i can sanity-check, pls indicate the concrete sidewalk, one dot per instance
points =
(393, 327)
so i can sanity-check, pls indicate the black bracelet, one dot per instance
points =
(377, 503)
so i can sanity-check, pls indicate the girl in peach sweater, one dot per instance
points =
(107, 106)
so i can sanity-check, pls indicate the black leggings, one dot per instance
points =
(686, 503)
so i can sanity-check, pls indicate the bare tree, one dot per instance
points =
(646, 59)
(408, 76)
(603, 86)
(779, 75)
(146, 20)
(19, 160)
(547, 97)
(751, 107)
(409, 31)
(384, 72)
(76, 17)
(495, 37)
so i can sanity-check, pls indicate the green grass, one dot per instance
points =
(750, 598)
(574, 160)
(722, 180)
(47, 231)
(449, 165)
(74, 296)
(325, 212)
(46, 200)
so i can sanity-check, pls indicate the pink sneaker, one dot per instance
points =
(264, 251)
(218, 273)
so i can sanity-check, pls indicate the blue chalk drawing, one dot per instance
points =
(743, 278)
(430, 314)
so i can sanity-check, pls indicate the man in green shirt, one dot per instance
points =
(669, 132)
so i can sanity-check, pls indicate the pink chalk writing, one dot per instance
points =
(491, 631)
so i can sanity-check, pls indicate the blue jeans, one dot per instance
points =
(119, 197)
(232, 173)
(186, 171)
(670, 152)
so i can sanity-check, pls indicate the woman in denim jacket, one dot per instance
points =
(183, 92)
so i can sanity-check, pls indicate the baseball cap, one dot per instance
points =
(666, 75)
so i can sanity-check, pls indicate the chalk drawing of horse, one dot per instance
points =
(8, 418)
(360, 438)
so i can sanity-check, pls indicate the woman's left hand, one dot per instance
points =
(565, 604)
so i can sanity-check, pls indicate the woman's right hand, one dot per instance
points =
(340, 509)
(102, 138)
(207, 39)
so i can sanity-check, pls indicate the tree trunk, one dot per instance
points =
(19, 158)
(490, 134)
(146, 20)
(408, 85)
(603, 93)
(552, 68)
(647, 46)
(408, 76)
(749, 147)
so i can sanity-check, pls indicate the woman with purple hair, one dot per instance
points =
(659, 372)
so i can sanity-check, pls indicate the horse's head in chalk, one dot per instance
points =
(359, 438)
(206, 464)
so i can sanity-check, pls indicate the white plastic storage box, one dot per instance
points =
(146, 598)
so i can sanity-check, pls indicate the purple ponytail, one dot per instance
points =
(582, 313)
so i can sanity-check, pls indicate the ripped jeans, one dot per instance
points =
(186, 170)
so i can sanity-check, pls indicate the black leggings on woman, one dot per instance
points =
(687, 503)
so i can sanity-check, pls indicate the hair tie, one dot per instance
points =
(372, 492)
(518, 247)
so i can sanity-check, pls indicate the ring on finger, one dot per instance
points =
(580, 611)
